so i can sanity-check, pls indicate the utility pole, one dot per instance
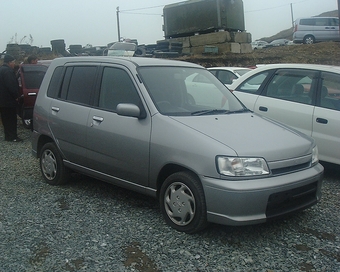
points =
(291, 12)
(118, 24)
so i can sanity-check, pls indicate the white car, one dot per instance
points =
(258, 44)
(227, 75)
(303, 96)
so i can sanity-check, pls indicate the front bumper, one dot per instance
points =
(244, 202)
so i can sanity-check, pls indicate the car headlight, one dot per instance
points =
(238, 167)
(315, 156)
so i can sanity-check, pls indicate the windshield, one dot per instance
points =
(124, 46)
(188, 91)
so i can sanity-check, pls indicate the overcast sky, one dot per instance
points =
(95, 21)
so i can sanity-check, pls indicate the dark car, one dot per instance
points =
(30, 77)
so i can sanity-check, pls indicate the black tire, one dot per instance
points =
(309, 39)
(27, 123)
(140, 52)
(182, 202)
(51, 165)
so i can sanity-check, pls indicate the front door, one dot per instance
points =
(118, 146)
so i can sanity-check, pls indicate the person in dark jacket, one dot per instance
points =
(9, 94)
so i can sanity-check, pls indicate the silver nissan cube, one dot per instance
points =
(173, 131)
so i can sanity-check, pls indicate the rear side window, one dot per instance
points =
(33, 76)
(226, 77)
(309, 21)
(78, 84)
(334, 22)
(330, 91)
(322, 22)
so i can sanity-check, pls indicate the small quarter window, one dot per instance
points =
(252, 85)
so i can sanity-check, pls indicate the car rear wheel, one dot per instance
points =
(309, 39)
(52, 166)
(182, 202)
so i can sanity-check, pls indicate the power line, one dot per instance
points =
(276, 6)
(127, 12)
(141, 8)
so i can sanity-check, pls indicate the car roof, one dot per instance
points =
(317, 18)
(229, 68)
(137, 61)
(320, 67)
(297, 66)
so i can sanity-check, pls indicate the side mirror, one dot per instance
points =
(130, 110)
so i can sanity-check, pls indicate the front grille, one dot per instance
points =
(291, 200)
(289, 169)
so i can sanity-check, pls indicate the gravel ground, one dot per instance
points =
(88, 225)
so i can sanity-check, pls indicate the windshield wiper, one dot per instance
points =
(217, 111)
(238, 111)
(207, 112)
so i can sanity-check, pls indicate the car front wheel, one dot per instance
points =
(52, 166)
(182, 202)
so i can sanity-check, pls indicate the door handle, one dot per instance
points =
(55, 109)
(98, 119)
(261, 108)
(321, 120)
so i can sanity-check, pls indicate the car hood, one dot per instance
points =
(249, 134)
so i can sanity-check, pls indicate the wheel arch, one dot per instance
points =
(43, 139)
(168, 170)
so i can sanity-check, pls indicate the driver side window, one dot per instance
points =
(116, 87)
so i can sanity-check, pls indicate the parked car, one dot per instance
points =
(279, 42)
(316, 29)
(258, 44)
(122, 49)
(140, 124)
(303, 96)
(30, 77)
(228, 74)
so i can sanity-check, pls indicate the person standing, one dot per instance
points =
(9, 94)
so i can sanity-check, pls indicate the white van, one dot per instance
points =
(316, 29)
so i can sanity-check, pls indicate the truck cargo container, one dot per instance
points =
(202, 16)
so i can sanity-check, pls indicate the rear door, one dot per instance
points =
(31, 76)
(70, 109)
(118, 146)
(326, 29)
(326, 119)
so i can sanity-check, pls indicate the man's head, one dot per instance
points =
(9, 60)
(32, 59)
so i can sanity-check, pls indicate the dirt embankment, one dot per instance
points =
(320, 53)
